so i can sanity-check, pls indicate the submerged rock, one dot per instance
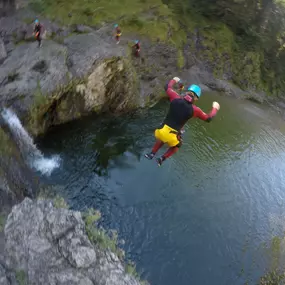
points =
(50, 246)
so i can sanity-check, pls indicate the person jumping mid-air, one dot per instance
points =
(118, 33)
(181, 109)
(38, 32)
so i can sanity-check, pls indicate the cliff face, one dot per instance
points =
(46, 245)
(16, 179)
(9, 6)
(80, 70)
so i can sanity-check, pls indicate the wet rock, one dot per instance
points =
(50, 246)
(16, 179)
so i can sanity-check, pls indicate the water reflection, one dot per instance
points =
(110, 141)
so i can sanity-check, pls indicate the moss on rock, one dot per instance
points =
(112, 86)
(6, 148)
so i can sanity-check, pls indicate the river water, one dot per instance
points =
(203, 216)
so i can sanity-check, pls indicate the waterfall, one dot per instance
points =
(29, 150)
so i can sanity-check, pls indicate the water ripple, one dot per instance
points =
(192, 218)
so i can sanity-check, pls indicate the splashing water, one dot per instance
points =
(27, 147)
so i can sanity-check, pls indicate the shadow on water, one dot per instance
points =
(108, 141)
(111, 141)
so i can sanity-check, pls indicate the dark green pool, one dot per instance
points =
(199, 219)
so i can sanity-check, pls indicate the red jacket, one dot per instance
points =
(197, 112)
(137, 46)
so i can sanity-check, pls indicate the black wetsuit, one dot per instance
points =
(180, 111)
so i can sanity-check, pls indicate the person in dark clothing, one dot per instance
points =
(137, 47)
(181, 109)
(38, 32)
(118, 33)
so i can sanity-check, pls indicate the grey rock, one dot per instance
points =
(7, 277)
(16, 179)
(3, 276)
(51, 246)
(3, 53)
(197, 75)
(81, 29)
(86, 49)
(30, 69)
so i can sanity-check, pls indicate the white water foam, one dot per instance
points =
(27, 147)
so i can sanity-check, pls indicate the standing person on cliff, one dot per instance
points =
(118, 33)
(137, 47)
(181, 109)
(38, 29)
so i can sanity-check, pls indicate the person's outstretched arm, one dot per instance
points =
(169, 89)
(198, 113)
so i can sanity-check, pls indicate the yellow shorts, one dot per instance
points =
(167, 135)
(118, 35)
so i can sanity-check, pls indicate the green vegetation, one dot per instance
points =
(244, 39)
(6, 147)
(272, 278)
(99, 236)
(44, 105)
(28, 20)
(180, 58)
(131, 269)
(21, 277)
(273, 252)
(59, 202)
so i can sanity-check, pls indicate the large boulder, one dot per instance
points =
(30, 71)
(84, 50)
(110, 87)
(50, 246)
